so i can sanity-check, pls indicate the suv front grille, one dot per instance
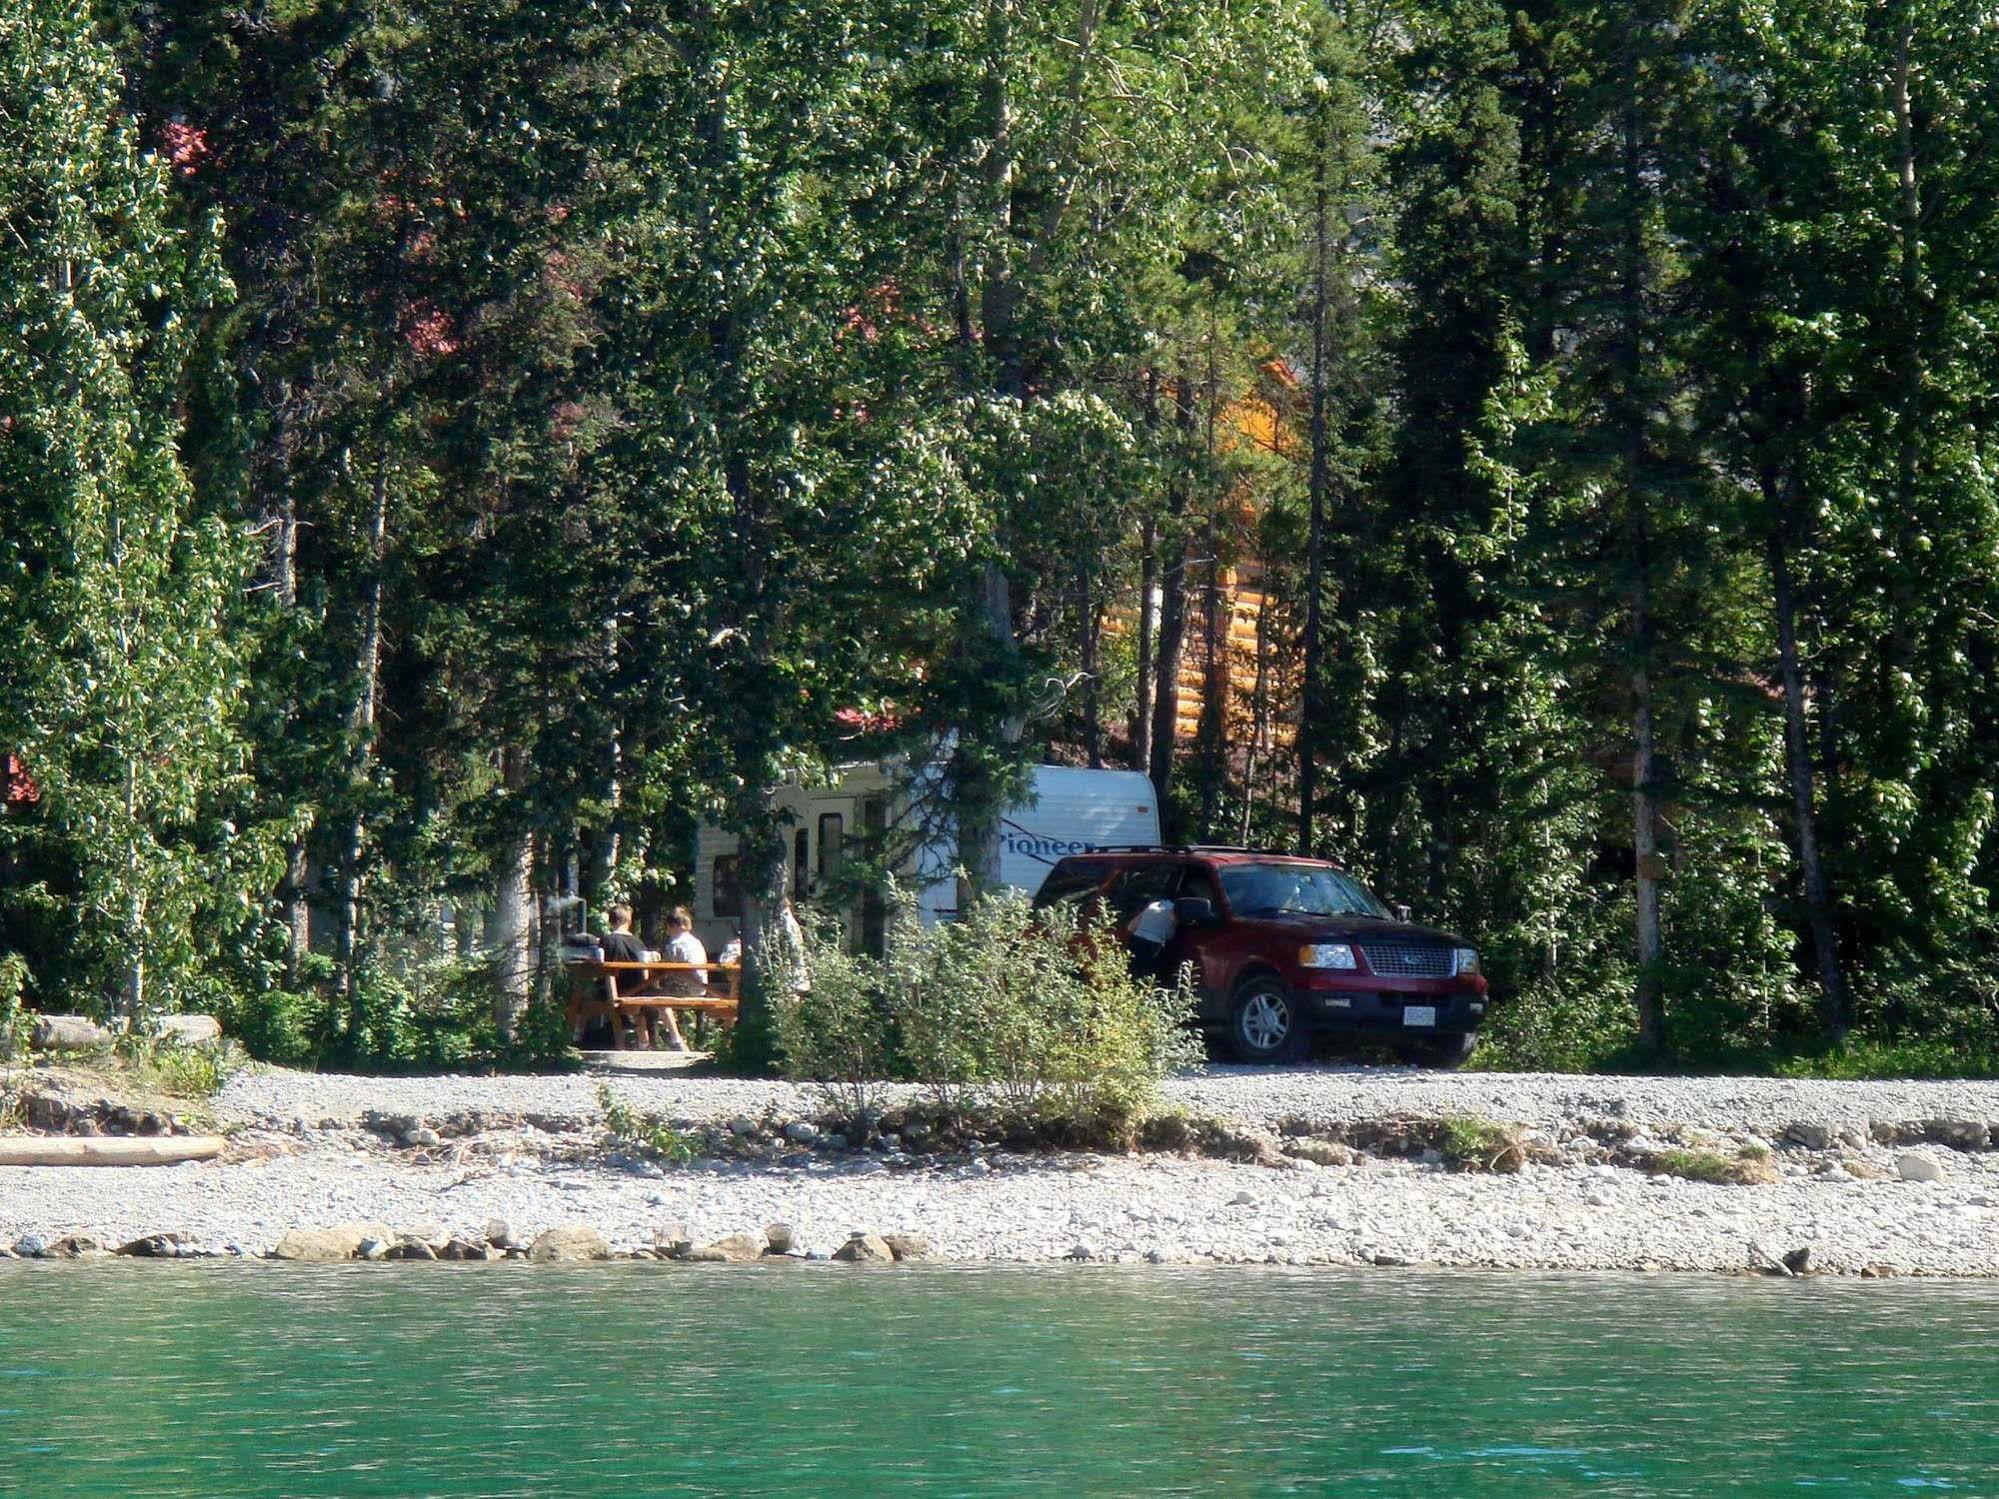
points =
(1408, 960)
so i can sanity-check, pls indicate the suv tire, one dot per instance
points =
(1264, 1024)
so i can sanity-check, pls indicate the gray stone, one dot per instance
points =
(410, 1247)
(499, 1233)
(1918, 1166)
(31, 1246)
(422, 1135)
(907, 1246)
(1083, 1249)
(1320, 1152)
(68, 1033)
(154, 1247)
(372, 1249)
(707, 1254)
(1799, 1261)
(1811, 1136)
(576, 1241)
(742, 1125)
(1243, 1199)
(865, 1249)
(780, 1237)
(465, 1249)
(188, 1030)
(801, 1132)
(341, 1242)
(1959, 1134)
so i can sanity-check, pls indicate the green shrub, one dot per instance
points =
(1468, 1142)
(1006, 1011)
(277, 1026)
(836, 1032)
(1748, 1167)
(642, 1134)
(169, 1067)
(13, 1020)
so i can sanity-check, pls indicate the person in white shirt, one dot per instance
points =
(682, 946)
(1150, 932)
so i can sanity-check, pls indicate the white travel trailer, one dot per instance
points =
(1067, 811)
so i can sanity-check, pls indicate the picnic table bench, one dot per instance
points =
(597, 991)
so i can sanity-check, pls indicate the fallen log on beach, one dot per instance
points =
(108, 1150)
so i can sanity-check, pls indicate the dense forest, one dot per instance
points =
(450, 449)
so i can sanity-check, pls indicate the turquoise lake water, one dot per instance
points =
(141, 1379)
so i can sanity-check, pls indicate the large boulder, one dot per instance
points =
(1919, 1166)
(343, 1241)
(865, 1249)
(907, 1246)
(568, 1244)
(68, 1033)
(735, 1249)
(188, 1030)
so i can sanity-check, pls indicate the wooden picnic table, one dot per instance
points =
(722, 1000)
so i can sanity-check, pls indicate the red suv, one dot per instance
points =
(1284, 949)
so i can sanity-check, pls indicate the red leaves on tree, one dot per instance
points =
(17, 787)
(186, 147)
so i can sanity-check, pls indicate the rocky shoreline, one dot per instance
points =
(1341, 1166)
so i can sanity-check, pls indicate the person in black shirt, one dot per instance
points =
(621, 945)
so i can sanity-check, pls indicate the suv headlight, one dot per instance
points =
(1326, 955)
(1467, 960)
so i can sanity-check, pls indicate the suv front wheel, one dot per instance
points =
(1263, 1022)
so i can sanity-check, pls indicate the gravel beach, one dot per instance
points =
(444, 1157)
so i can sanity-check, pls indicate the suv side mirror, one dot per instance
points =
(1402, 912)
(1194, 910)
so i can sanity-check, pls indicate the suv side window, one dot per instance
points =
(1141, 885)
(1201, 884)
(1071, 881)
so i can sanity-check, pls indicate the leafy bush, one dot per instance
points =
(1470, 1143)
(1747, 1168)
(278, 1025)
(642, 1134)
(1554, 1027)
(836, 1032)
(1007, 1011)
(13, 1021)
(171, 1067)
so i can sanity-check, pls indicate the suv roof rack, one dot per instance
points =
(1177, 848)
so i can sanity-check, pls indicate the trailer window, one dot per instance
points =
(832, 834)
(727, 900)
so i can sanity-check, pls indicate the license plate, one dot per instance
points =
(1419, 1015)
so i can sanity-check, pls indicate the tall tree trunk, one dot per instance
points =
(1310, 708)
(295, 892)
(607, 846)
(1648, 868)
(1798, 761)
(1172, 601)
(1148, 586)
(1092, 628)
(1214, 626)
(1647, 863)
(976, 794)
(1259, 712)
(513, 904)
(361, 735)
(1909, 229)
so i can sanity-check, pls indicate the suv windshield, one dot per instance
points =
(1297, 890)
